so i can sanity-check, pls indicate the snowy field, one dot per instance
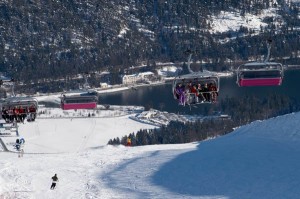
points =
(260, 160)
(232, 21)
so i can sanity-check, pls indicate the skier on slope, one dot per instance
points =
(18, 144)
(54, 181)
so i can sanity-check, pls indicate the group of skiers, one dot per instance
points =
(194, 93)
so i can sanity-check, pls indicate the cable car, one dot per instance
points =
(83, 98)
(19, 108)
(196, 87)
(260, 73)
(16, 109)
(80, 99)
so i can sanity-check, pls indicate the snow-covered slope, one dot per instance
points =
(232, 21)
(260, 160)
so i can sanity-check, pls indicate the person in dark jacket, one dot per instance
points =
(18, 144)
(180, 93)
(206, 92)
(54, 181)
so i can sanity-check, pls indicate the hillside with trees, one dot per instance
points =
(46, 41)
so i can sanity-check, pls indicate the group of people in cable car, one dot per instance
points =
(195, 93)
(18, 113)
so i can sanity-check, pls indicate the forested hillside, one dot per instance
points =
(44, 40)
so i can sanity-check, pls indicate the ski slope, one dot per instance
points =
(259, 160)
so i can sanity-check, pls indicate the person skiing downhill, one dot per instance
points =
(54, 181)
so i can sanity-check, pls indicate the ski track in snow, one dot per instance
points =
(258, 160)
(61, 146)
(88, 135)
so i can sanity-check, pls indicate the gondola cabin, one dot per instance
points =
(19, 108)
(260, 74)
(196, 88)
(79, 100)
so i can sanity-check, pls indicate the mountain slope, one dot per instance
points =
(259, 160)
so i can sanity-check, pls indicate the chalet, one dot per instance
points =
(137, 78)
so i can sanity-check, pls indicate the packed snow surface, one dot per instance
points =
(259, 160)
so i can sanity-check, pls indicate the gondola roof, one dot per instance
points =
(18, 99)
(80, 92)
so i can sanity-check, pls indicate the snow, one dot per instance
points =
(123, 32)
(259, 160)
(168, 71)
(158, 118)
(232, 21)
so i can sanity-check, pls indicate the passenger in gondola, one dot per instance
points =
(194, 94)
(187, 92)
(10, 114)
(16, 114)
(5, 114)
(32, 109)
(175, 91)
(22, 113)
(200, 93)
(180, 90)
(13, 113)
(214, 92)
(190, 86)
(206, 93)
